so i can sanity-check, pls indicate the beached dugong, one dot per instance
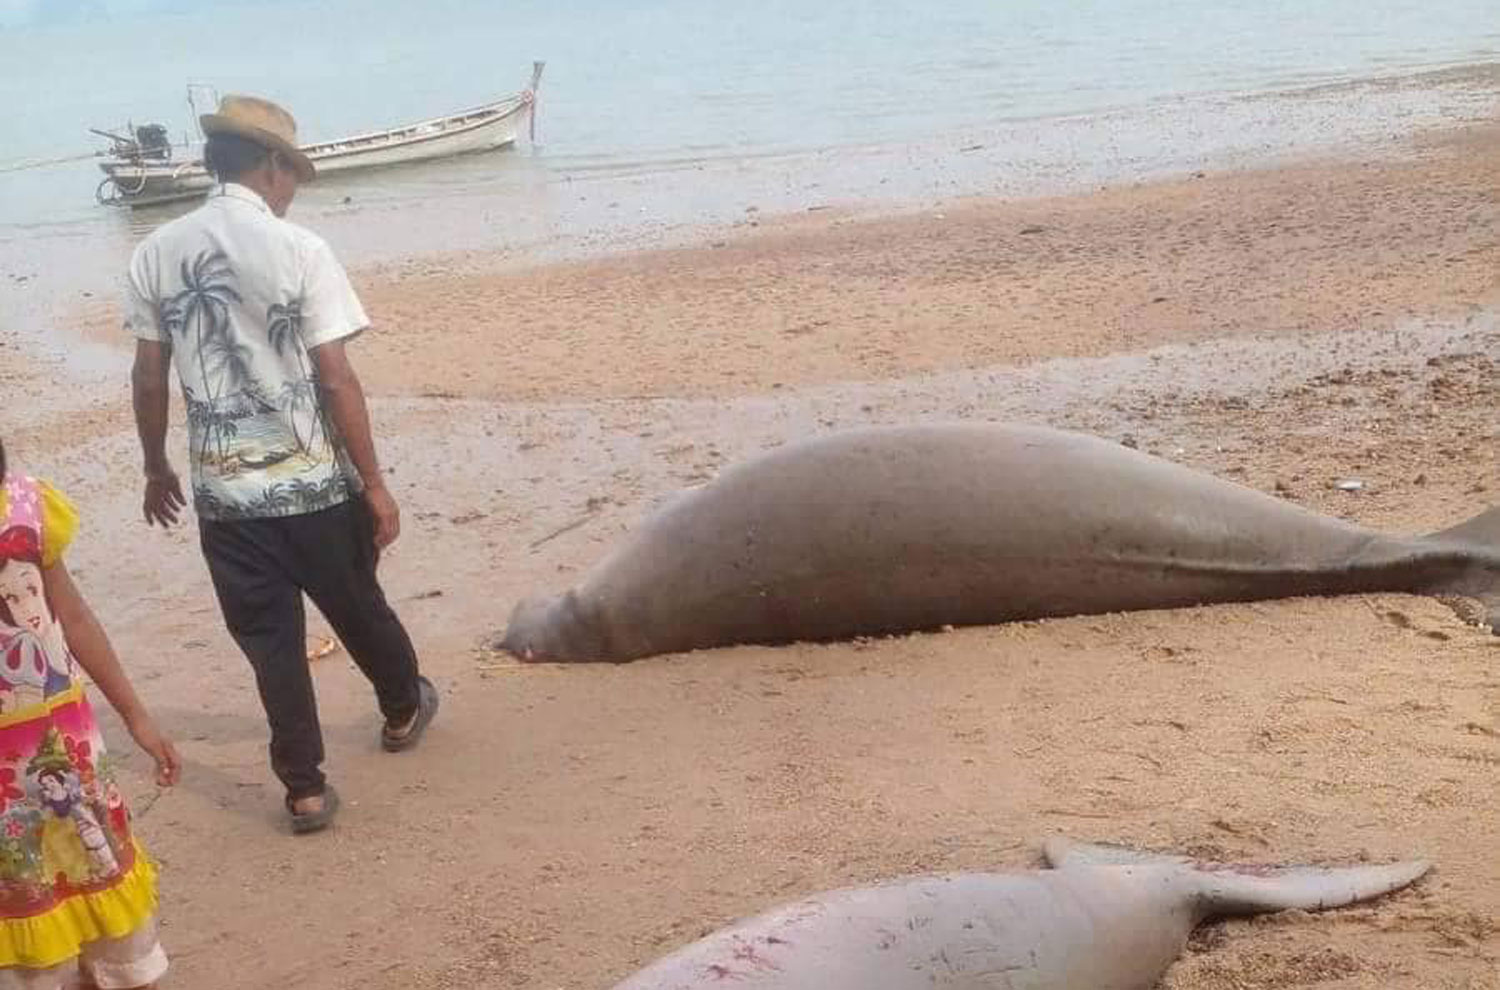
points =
(887, 530)
(1104, 919)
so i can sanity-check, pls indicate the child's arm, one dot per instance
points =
(91, 647)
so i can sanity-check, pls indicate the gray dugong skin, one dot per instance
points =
(1106, 919)
(886, 530)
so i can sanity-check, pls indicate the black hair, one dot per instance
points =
(2, 462)
(229, 156)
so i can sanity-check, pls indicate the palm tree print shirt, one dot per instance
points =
(241, 297)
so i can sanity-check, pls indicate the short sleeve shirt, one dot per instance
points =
(242, 296)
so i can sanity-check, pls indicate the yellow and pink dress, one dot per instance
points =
(72, 876)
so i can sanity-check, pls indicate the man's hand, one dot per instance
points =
(163, 499)
(148, 389)
(344, 401)
(385, 514)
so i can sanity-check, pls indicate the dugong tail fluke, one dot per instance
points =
(1103, 917)
(1483, 580)
(1482, 530)
(1228, 888)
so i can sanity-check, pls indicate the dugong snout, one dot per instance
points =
(558, 627)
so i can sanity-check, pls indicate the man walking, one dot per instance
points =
(254, 313)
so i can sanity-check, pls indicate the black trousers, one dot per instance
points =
(260, 570)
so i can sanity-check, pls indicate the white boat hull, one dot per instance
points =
(485, 128)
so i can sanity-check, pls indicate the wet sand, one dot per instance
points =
(1323, 246)
(1283, 328)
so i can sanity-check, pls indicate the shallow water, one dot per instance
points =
(651, 85)
(661, 117)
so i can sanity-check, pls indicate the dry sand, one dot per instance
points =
(1282, 328)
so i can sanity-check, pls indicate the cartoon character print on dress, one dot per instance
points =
(35, 662)
(62, 795)
(63, 826)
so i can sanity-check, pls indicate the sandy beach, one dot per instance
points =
(1284, 328)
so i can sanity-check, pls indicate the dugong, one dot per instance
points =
(1104, 919)
(892, 529)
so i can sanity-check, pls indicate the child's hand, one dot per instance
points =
(147, 736)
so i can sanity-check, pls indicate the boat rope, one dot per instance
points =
(25, 164)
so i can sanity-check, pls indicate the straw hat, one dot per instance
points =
(260, 121)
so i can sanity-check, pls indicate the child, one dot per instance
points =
(76, 888)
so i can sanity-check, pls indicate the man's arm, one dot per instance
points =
(344, 401)
(151, 396)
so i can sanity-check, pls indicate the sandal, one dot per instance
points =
(427, 706)
(315, 821)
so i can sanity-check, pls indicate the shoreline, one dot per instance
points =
(523, 210)
(821, 297)
(812, 299)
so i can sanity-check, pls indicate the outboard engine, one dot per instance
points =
(151, 142)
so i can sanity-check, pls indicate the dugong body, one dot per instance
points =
(1105, 919)
(887, 530)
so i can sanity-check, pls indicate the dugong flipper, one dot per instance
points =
(893, 529)
(1103, 918)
